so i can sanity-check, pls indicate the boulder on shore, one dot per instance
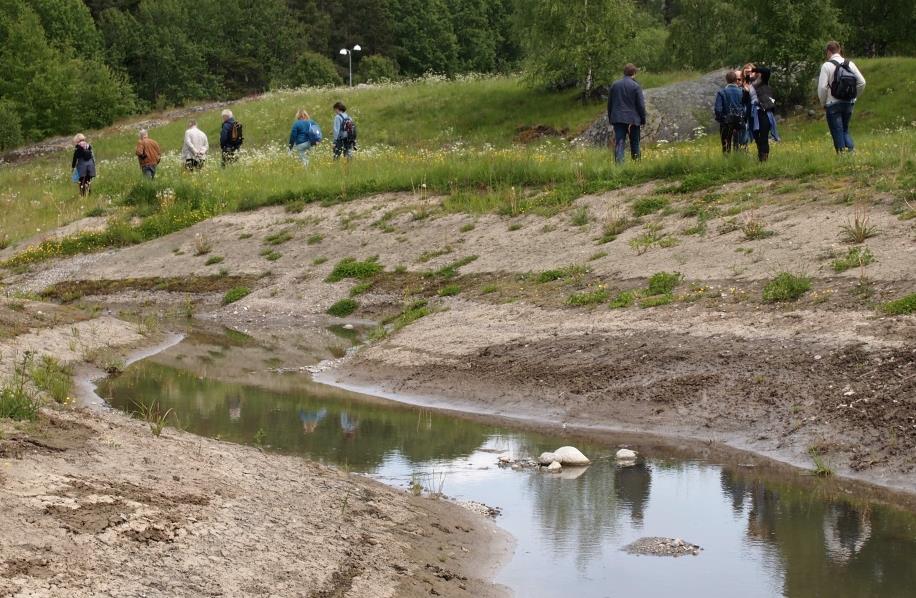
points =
(546, 459)
(570, 455)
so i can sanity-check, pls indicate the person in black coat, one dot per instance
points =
(626, 112)
(83, 163)
(758, 96)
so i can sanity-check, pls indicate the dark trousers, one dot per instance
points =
(762, 136)
(838, 116)
(149, 171)
(193, 164)
(230, 155)
(731, 136)
(621, 132)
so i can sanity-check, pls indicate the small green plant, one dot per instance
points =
(351, 268)
(597, 256)
(822, 469)
(16, 402)
(649, 205)
(515, 226)
(213, 259)
(430, 255)
(656, 300)
(466, 228)
(361, 289)
(560, 274)
(271, 254)
(451, 270)
(234, 294)
(449, 290)
(53, 378)
(244, 236)
(153, 415)
(614, 227)
(786, 287)
(259, 437)
(314, 239)
(662, 283)
(343, 308)
(599, 295)
(900, 307)
(278, 238)
(856, 257)
(489, 288)
(319, 260)
(755, 229)
(623, 299)
(579, 216)
(416, 488)
(858, 229)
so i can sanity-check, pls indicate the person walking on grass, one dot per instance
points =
(230, 138)
(838, 87)
(344, 132)
(626, 111)
(761, 116)
(148, 153)
(729, 111)
(304, 134)
(83, 164)
(195, 147)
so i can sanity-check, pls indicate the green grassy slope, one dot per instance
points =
(408, 133)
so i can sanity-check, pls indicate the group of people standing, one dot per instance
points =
(746, 107)
(304, 135)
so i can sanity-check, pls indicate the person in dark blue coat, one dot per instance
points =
(626, 112)
(230, 138)
(729, 111)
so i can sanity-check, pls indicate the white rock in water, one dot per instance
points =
(625, 455)
(570, 455)
(505, 458)
(547, 458)
(348, 326)
(554, 467)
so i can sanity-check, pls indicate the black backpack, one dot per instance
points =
(235, 135)
(348, 128)
(845, 84)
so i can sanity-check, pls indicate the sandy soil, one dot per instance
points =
(828, 372)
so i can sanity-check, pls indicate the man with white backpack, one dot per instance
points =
(838, 87)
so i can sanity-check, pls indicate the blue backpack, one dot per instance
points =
(314, 134)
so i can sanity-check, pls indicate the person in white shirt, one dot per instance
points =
(196, 145)
(838, 87)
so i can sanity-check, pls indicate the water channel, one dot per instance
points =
(762, 535)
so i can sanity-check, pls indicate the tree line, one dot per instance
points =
(72, 64)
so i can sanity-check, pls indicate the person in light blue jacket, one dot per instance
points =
(344, 132)
(300, 137)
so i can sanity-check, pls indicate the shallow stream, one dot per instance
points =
(762, 534)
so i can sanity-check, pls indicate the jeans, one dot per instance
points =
(838, 116)
(343, 147)
(149, 171)
(621, 131)
(303, 150)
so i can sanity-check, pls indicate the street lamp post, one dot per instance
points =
(349, 55)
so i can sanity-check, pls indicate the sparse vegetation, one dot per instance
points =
(153, 415)
(278, 238)
(52, 378)
(755, 230)
(202, 245)
(663, 283)
(361, 289)
(270, 254)
(786, 287)
(432, 254)
(233, 295)
(858, 229)
(649, 205)
(856, 257)
(343, 308)
(451, 270)
(560, 274)
(314, 239)
(213, 259)
(902, 306)
(822, 469)
(352, 268)
(656, 300)
(599, 295)
(449, 290)
(623, 299)
(579, 216)
(614, 227)
(16, 401)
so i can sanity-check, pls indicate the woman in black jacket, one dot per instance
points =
(84, 163)
(758, 96)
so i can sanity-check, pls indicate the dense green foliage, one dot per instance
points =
(76, 64)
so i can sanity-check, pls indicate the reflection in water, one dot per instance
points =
(761, 537)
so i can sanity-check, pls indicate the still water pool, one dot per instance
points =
(762, 534)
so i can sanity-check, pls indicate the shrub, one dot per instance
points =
(786, 287)
(343, 308)
(377, 68)
(649, 205)
(855, 257)
(902, 306)
(233, 295)
(10, 127)
(17, 404)
(351, 268)
(311, 69)
(623, 299)
(662, 283)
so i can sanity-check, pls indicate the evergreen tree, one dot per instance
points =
(425, 38)
(878, 28)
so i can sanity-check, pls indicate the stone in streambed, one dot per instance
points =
(625, 455)
(546, 459)
(555, 467)
(570, 455)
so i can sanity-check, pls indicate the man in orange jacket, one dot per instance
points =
(149, 154)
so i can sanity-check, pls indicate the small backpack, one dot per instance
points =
(314, 134)
(348, 130)
(235, 135)
(845, 84)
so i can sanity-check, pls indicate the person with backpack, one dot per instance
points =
(626, 112)
(230, 138)
(344, 132)
(83, 164)
(148, 153)
(838, 87)
(729, 111)
(304, 135)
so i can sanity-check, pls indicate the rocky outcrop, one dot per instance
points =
(674, 112)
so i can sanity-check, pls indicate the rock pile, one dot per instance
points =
(662, 547)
